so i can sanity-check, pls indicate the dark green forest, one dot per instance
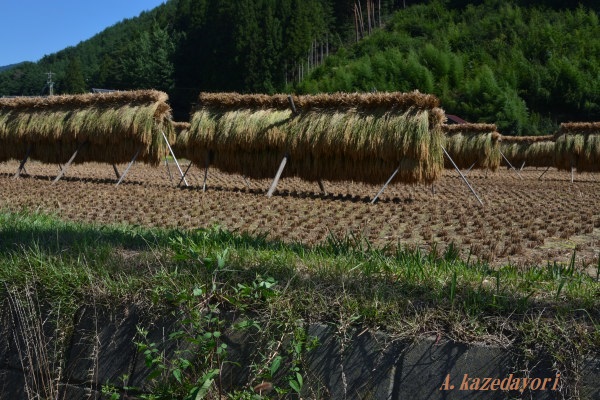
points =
(524, 65)
(524, 68)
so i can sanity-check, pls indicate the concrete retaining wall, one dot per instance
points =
(363, 365)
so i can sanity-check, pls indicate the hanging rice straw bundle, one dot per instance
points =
(181, 130)
(113, 127)
(362, 137)
(473, 145)
(534, 151)
(578, 145)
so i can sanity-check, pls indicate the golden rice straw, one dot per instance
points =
(473, 145)
(534, 151)
(578, 145)
(113, 124)
(342, 136)
(181, 130)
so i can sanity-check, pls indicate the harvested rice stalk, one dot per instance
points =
(578, 145)
(342, 136)
(114, 125)
(473, 145)
(534, 151)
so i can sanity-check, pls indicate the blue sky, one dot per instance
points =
(31, 29)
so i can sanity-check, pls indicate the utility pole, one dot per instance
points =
(50, 83)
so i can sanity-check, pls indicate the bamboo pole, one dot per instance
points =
(246, 181)
(292, 105)
(543, 173)
(384, 186)
(64, 170)
(461, 175)
(470, 168)
(116, 171)
(206, 165)
(129, 166)
(510, 165)
(174, 158)
(22, 164)
(277, 176)
(185, 173)
(572, 173)
(322, 187)
(168, 169)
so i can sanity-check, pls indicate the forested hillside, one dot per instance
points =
(525, 66)
(2, 68)
(187, 46)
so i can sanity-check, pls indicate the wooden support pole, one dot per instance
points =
(174, 158)
(22, 164)
(116, 171)
(64, 170)
(277, 176)
(510, 165)
(461, 175)
(185, 173)
(168, 169)
(386, 184)
(206, 165)
(522, 166)
(572, 173)
(322, 187)
(285, 157)
(543, 173)
(129, 166)
(470, 168)
(246, 181)
(292, 105)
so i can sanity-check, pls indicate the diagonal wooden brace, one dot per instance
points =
(68, 164)
(22, 165)
(137, 153)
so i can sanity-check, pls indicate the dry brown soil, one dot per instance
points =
(525, 220)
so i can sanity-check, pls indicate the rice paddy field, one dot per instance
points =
(524, 221)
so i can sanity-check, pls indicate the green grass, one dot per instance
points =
(343, 281)
(384, 284)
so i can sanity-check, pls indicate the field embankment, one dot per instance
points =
(196, 308)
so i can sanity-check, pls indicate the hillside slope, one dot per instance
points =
(524, 68)
(184, 47)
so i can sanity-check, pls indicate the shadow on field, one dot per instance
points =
(25, 230)
(301, 194)
(50, 178)
(28, 229)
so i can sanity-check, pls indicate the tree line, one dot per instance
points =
(524, 68)
(187, 46)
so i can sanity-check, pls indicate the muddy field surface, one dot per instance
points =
(525, 220)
